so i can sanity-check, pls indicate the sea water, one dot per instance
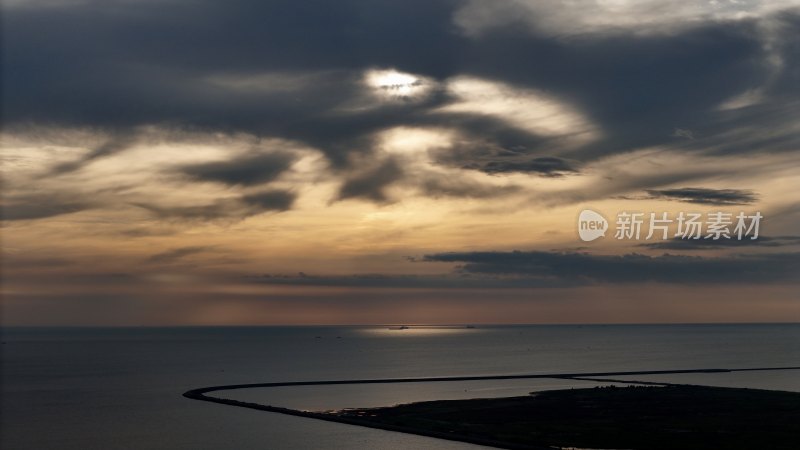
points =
(120, 388)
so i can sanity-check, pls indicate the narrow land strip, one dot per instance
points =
(353, 419)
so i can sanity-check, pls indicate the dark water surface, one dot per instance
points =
(95, 388)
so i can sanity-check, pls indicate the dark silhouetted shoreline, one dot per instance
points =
(411, 418)
(634, 417)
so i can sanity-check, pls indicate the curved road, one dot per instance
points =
(200, 394)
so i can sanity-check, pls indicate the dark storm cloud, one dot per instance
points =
(640, 88)
(274, 200)
(533, 269)
(125, 64)
(629, 268)
(518, 269)
(616, 184)
(294, 70)
(226, 208)
(246, 171)
(708, 244)
(114, 64)
(372, 184)
(705, 196)
(493, 158)
(39, 207)
(547, 165)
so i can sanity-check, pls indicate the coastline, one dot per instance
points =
(352, 417)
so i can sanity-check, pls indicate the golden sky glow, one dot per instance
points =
(111, 250)
(370, 171)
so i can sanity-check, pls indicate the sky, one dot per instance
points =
(245, 162)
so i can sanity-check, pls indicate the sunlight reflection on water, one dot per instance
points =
(418, 330)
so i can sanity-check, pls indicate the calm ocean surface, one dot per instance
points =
(121, 388)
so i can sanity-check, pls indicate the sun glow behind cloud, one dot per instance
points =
(392, 84)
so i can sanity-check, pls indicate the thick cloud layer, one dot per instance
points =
(706, 196)
(709, 244)
(538, 269)
(628, 268)
(295, 70)
(249, 170)
(227, 208)
(39, 206)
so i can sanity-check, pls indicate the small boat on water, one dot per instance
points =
(401, 327)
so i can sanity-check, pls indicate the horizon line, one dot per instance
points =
(416, 325)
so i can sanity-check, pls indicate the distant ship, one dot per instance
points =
(405, 327)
